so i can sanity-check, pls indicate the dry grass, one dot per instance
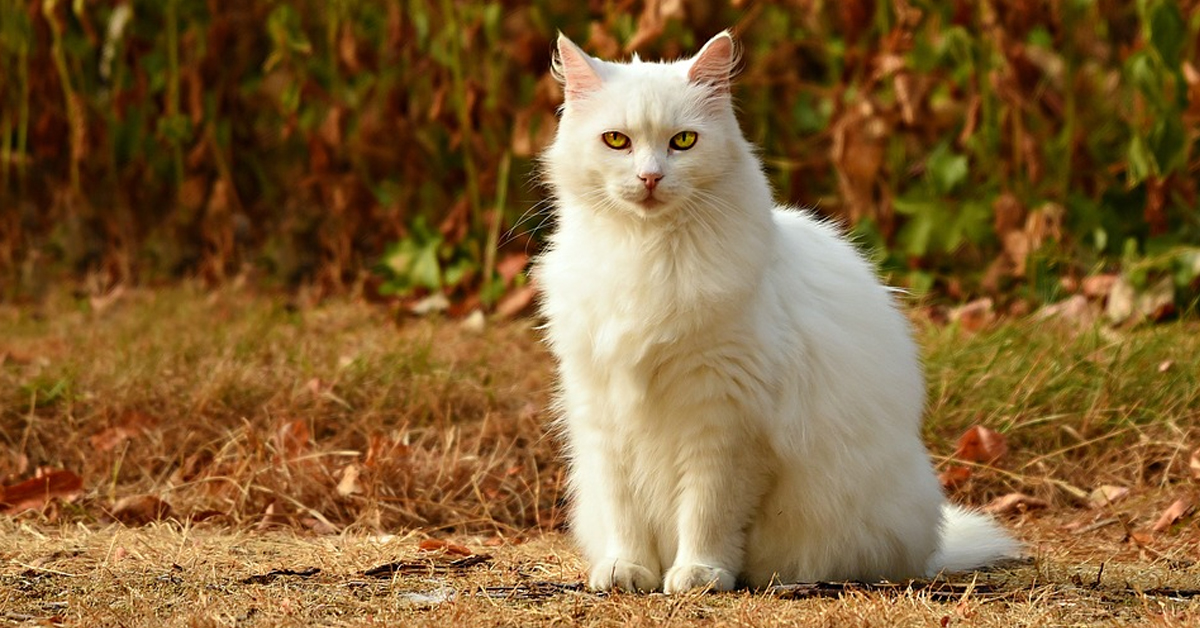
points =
(287, 437)
(167, 575)
(234, 405)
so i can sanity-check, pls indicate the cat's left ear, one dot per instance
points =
(575, 70)
(715, 62)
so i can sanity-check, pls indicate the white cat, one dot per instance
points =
(740, 396)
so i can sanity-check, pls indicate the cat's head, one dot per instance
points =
(644, 138)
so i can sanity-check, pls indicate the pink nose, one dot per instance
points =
(651, 179)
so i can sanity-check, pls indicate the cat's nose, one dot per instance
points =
(651, 179)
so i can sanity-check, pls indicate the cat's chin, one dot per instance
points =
(648, 207)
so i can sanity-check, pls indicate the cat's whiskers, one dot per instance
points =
(543, 208)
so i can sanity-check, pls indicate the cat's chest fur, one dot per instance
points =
(633, 300)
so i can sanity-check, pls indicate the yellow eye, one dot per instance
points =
(615, 140)
(683, 140)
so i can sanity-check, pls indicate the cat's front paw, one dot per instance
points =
(616, 573)
(682, 578)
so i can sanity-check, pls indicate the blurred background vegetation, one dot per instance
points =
(1009, 148)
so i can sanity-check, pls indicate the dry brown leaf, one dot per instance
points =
(653, 20)
(516, 301)
(953, 477)
(975, 315)
(137, 510)
(1176, 511)
(381, 449)
(292, 438)
(438, 545)
(320, 525)
(132, 425)
(1141, 539)
(1121, 296)
(205, 515)
(1098, 286)
(101, 302)
(349, 482)
(1194, 464)
(509, 267)
(982, 445)
(14, 468)
(1074, 310)
(1106, 495)
(1158, 300)
(1014, 503)
(35, 493)
(272, 517)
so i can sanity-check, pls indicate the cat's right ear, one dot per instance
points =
(575, 70)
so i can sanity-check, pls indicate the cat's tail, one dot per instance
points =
(971, 540)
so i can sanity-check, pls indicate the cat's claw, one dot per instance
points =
(616, 573)
(682, 578)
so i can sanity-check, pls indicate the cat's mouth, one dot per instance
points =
(650, 202)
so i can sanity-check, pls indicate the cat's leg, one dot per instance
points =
(721, 480)
(606, 520)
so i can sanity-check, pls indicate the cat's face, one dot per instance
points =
(643, 138)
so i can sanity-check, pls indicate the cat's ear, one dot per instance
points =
(575, 70)
(715, 62)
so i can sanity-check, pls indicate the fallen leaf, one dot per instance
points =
(1086, 526)
(975, 315)
(320, 525)
(273, 517)
(953, 477)
(139, 510)
(982, 445)
(475, 322)
(35, 493)
(101, 302)
(436, 302)
(349, 482)
(1098, 286)
(512, 265)
(435, 545)
(381, 449)
(13, 469)
(1075, 310)
(1157, 301)
(1141, 539)
(1106, 495)
(516, 301)
(1121, 295)
(131, 425)
(1176, 511)
(1014, 503)
(292, 438)
(205, 515)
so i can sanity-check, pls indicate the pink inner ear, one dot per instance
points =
(578, 76)
(714, 63)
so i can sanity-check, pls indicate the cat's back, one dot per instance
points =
(846, 325)
(817, 265)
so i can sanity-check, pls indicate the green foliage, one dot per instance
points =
(321, 140)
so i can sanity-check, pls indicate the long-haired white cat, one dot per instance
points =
(740, 396)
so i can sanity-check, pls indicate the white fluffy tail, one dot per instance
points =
(971, 540)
